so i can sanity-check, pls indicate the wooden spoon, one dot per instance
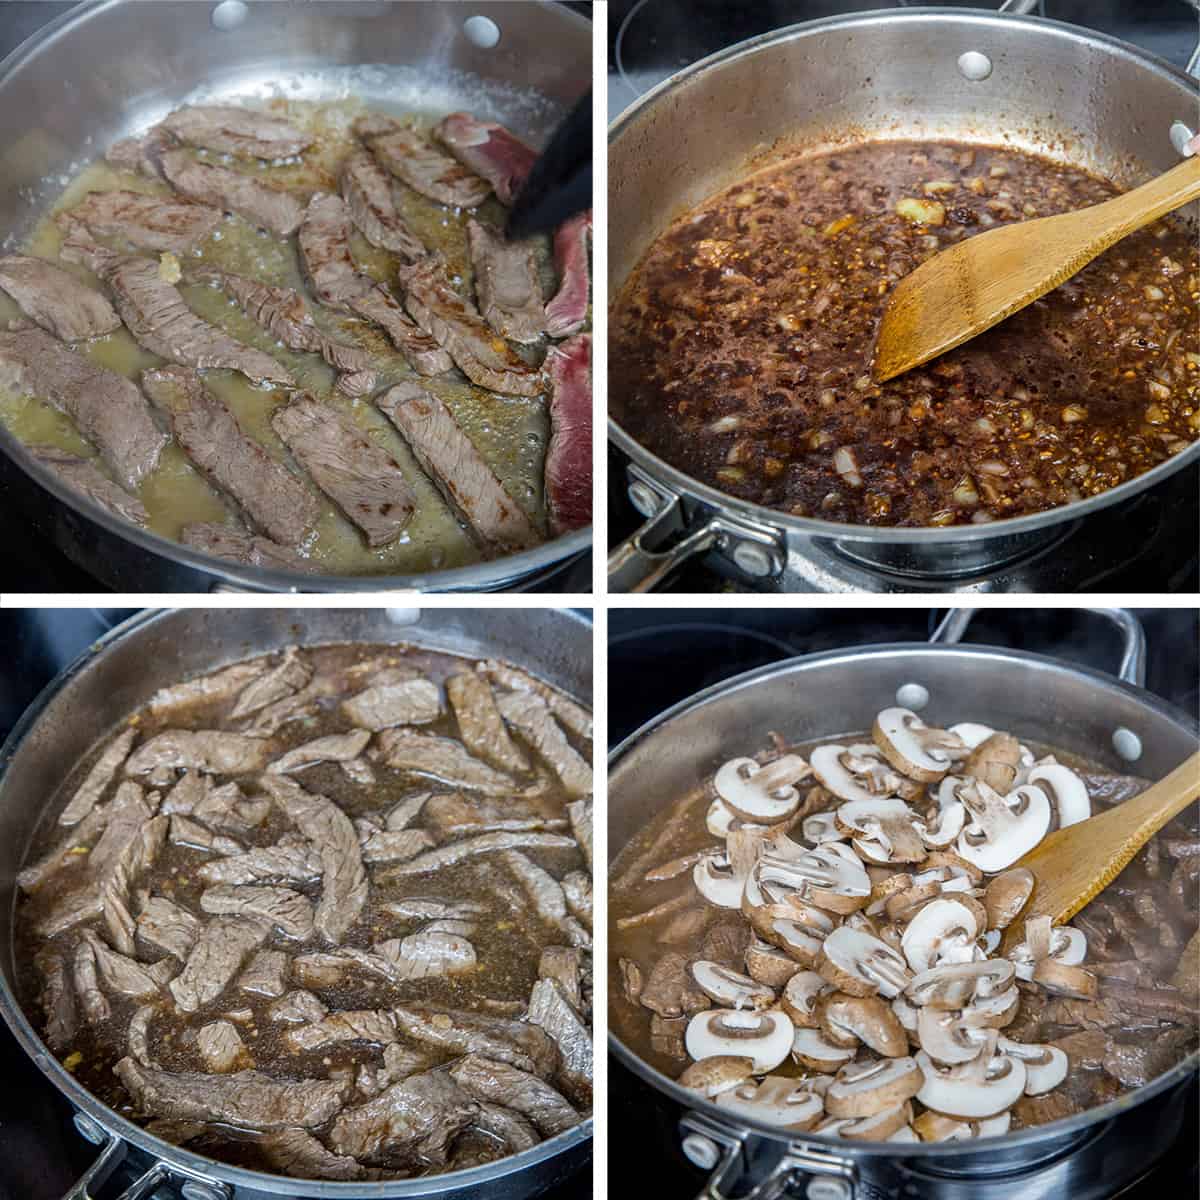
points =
(1072, 866)
(979, 281)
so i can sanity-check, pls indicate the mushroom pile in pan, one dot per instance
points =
(874, 964)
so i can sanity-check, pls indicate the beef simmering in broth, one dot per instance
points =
(742, 344)
(814, 939)
(326, 913)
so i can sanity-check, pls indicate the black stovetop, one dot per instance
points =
(1158, 533)
(659, 657)
(41, 1154)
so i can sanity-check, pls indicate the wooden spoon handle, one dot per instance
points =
(1163, 194)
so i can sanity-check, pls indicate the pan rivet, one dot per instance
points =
(89, 1129)
(1180, 135)
(404, 616)
(974, 66)
(701, 1150)
(828, 1187)
(1127, 744)
(644, 499)
(482, 32)
(229, 14)
(912, 695)
(754, 559)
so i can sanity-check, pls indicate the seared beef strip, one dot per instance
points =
(222, 1048)
(508, 284)
(297, 1007)
(248, 549)
(564, 964)
(164, 925)
(441, 758)
(186, 832)
(383, 846)
(120, 975)
(530, 716)
(83, 475)
(420, 164)
(456, 325)
(452, 814)
(580, 815)
(485, 843)
(424, 355)
(224, 944)
(212, 750)
(489, 150)
(233, 130)
(569, 455)
(368, 192)
(107, 409)
(288, 676)
(510, 1127)
(216, 686)
(386, 703)
(545, 895)
(361, 478)
(337, 747)
(571, 716)
(142, 153)
(495, 521)
(146, 222)
(266, 864)
(92, 1000)
(480, 724)
(208, 432)
(66, 852)
(297, 1153)
(98, 778)
(550, 1008)
(567, 310)
(277, 212)
(57, 999)
(501, 1083)
(56, 300)
(289, 911)
(516, 1042)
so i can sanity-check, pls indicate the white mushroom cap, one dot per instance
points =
(1067, 793)
(794, 939)
(763, 1037)
(934, 1127)
(1007, 895)
(849, 1020)
(946, 1037)
(811, 1048)
(1002, 828)
(883, 828)
(995, 761)
(720, 818)
(822, 827)
(857, 963)
(768, 964)
(944, 931)
(775, 1100)
(912, 747)
(712, 1076)
(947, 824)
(983, 1087)
(829, 766)
(761, 793)
(971, 734)
(799, 998)
(730, 988)
(829, 876)
(1045, 1066)
(994, 1012)
(716, 882)
(881, 1127)
(862, 1089)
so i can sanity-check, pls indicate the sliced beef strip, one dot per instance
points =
(297, 1153)
(405, 811)
(566, 311)
(289, 911)
(580, 815)
(418, 1116)
(57, 999)
(574, 718)
(186, 832)
(402, 702)
(484, 843)
(246, 1099)
(508, 284)
(368, 192)
(325, 251)
(420, 164)
(577, 888)
(239, 131)
(220, 951)
(295, 1007)
(670, 990)
(563, 964)
(530, 716)
(334, 747)
(146, 222)
(489, 150)
(225, 807)
(344, 884)
(545, 895)
(56, 300)
(450, 1029)
(510, 1127)
(291, 673)
(1136, 1062)
(457, 327)
(666, 1036)
(384, 846)
(66, 852)
(215, 751)
(420, 908)
(215, 687)
(442, 758)
(94, 1003)
(120, 975)
(358, 770)
(569, 455)
(422, 351)
(83, 476)
(479, 722)
(284, 314)
(281, 863)
(164, 925)
(360, 477)
(218, 187)
(88, 794)
(550, 1009)
(266, 491)
(1105, 788)
(494, 520)
(266, 974)
(107, 409)
(366, 1025)
(221, 1047)
(240, 546)
(501, 1083)
(399, 1062)
(142, 152)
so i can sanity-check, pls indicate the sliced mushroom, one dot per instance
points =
(957, 985)
(1045, 1066)
(861, 1089)
(983, 1087)
(1006, 896)
(946, 1037)
(972, 735)
(993, 1012)
(761, 793)
(829, 876)
(822, 827)
(848, 1020)
(775, 1100)
(995, 761)
(1067, 793)
(906, 1014)
(768, 964)
(829, 765)
(942, 828)
(1051, 956)
(812, 1049)
(914, 748)
(730, 988)
(882, 1127)
(764, 1037)
(715, 880)
(799, 998)
(1002, 828)
(1075, 983)
(934, 1127)
(712, 1076)
(720, 818)
(944, 931)
(958, 866)
(883, 830)
(904, 1134)
(857, 963)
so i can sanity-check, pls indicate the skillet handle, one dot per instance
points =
(635, 567)
(1018, 8)
(110, 1157)
(1132, 667)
